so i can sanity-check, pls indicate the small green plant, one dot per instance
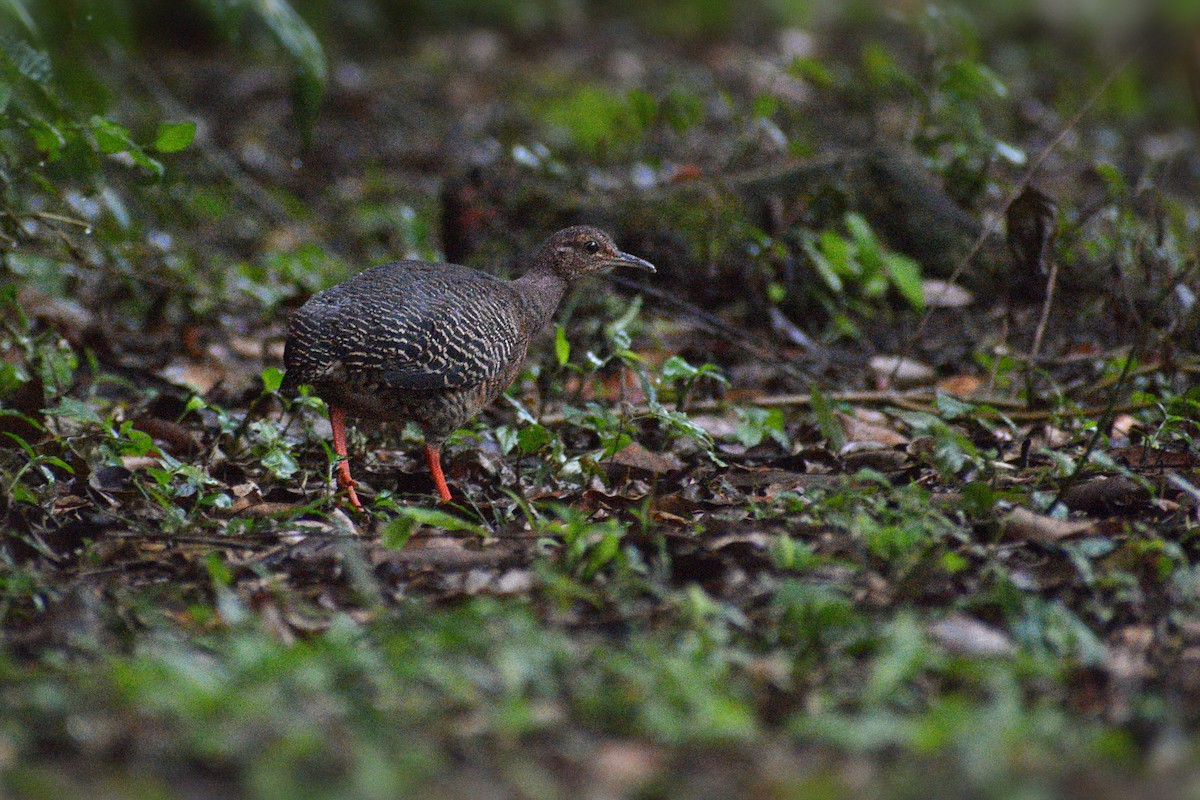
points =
(756, 424)
(587, 547)
(684, 378)
(679, 378)
(858, 270)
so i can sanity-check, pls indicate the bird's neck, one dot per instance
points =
(540, 292)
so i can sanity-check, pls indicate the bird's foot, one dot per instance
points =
(347, 484)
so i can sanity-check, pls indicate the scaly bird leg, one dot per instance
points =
(434, 457)
(337, 420)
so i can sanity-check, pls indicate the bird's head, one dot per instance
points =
(582, 250)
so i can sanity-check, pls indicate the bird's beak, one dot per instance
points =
(627, 260)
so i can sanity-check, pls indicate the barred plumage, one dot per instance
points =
(431, 343)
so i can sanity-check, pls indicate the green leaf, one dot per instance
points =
(950, 407)
(12, 377)
(75, 410)
(532, 438)
(110, 137)
(174, 136)
(827, 421)
(676, 368)
(765, 105)
(812, 70)
(602, 553)
(906, 276)
(970, 80)
(280, 463)
(824, 267)
(860, 231)
(272, 378)
(139, 157)
(841, 254)
(562, 348)
(29, 61)
(297, 39)
(506, 437)
(46, 137)
(16, 9)
(399, 530)
(755, 424)
(218, 570)
(1112, 177)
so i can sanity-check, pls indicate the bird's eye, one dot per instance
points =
(592, 246)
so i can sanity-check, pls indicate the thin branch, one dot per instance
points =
(1031, 364)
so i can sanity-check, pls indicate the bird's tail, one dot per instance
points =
(290, 386)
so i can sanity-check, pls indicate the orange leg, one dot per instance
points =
(337, 420)
(434, 457)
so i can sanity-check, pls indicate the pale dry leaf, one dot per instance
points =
(201, 378)
(941, 294)
(133, 463)
(1026, 525)
(716, 426)
(965, 635)
(906, 371)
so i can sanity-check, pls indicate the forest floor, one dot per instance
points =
(799, 516)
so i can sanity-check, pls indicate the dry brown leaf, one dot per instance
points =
(857, 430)
(1025, 525)
(176, 437)
(960, 385)
(1106, 495)
(69, 502)
(1125, 424)
(620, 767)
(634, 456)
(263, 510)
(201, 378)
(872, 455)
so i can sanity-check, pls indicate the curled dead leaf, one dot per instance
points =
(1032, 227)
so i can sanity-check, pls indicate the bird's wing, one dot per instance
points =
(453, 344)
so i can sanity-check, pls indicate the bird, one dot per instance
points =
(431, 343)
